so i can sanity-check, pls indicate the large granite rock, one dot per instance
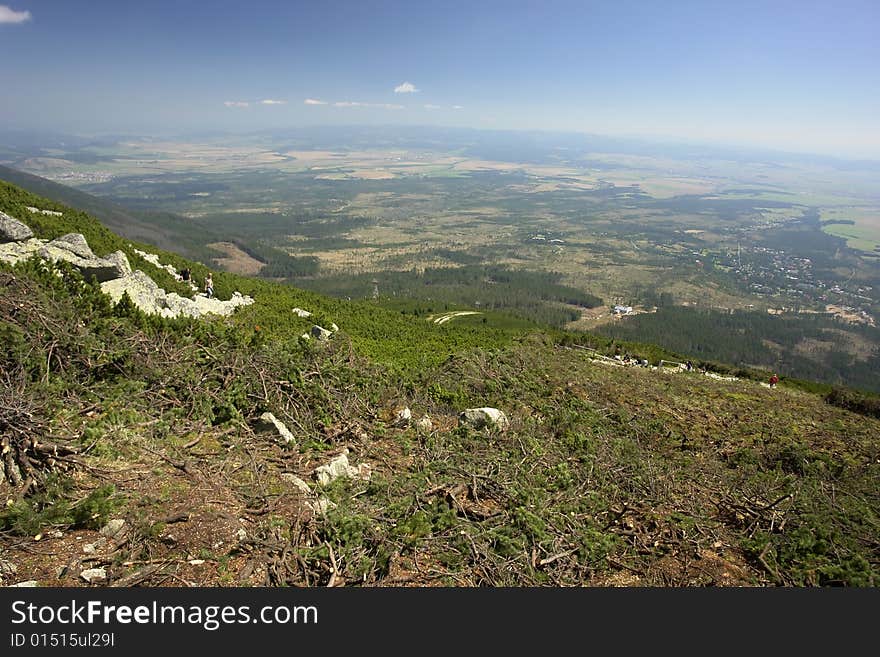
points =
(12, 230)
(75, 243)
(74, 249)
(153, 300)
(15, 252)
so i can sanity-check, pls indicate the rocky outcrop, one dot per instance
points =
(299, 312)
(152, 299)
(113, 272)
(51, 213)
(74, 243)
(74, 249)
(15, 252)
(12, 230)
(484, 418)
(153, 259)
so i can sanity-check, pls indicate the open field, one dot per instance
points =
(236, 260)
(864, 231)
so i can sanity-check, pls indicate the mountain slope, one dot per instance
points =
(163, 231)
(606, 475)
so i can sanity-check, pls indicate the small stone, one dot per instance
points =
(283, 431)
(424, 424)
(340, 467)
(296, 481)
(320, 333)
(56, 533)
(31, 583)
(93, 575)
(402, 418)
(241, 534)
(113, 528)
(196, 562)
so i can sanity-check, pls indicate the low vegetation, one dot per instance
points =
(607, 475)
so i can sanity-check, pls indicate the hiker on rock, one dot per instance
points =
(185, 275)
(773, 381)
(209, 286)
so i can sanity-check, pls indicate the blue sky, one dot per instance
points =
(799, 75)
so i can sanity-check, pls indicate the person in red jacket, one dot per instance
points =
(773, 381)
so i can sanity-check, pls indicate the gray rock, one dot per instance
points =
(485, 417)
(340, 467)
(75, 243)
(74, 249)
(119, 259)
(31, 583)
(283, 431)
(141, 288)
(93, 575)
(14, 252)
(12, 230)
(298, 483)
(113, 528)
(299, 312)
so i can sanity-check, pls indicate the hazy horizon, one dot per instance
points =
(783, 76)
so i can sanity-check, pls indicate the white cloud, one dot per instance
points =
(457, 107)
(269, 101)
(405, 88)
(236, 103)
(353, 103)
(8, 15)
(432, 107)
(313, 101)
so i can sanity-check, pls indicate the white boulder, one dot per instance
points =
(484, 417)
